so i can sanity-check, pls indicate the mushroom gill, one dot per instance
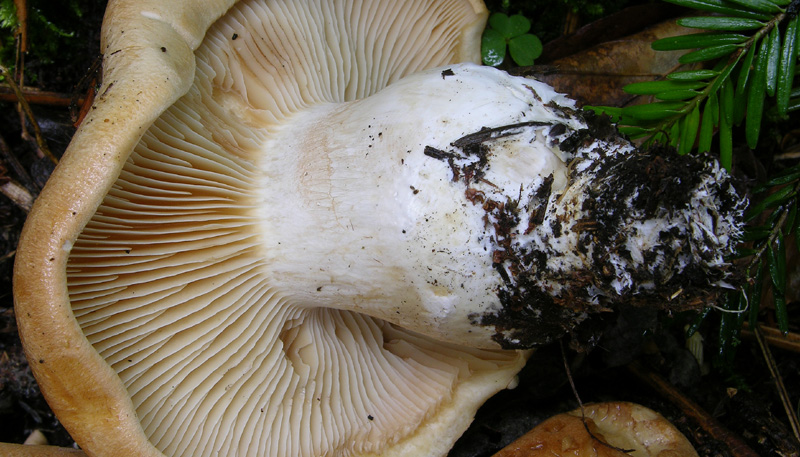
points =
(172, 285)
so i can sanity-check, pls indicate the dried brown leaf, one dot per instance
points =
(597, 75)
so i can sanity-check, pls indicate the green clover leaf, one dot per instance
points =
(525, 49)
(493, 48)
(509, 32)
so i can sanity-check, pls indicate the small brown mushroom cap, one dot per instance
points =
(38, 450)
(148, 315)
(640, 431)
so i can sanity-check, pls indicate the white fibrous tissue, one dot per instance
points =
(640, 226)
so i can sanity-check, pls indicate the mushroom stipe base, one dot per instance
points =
(639, 185)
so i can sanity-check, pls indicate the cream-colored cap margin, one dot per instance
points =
(148, 49)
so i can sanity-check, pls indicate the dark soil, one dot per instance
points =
(743, 400)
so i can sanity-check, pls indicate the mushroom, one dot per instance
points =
(305, 228)
(38, 450)
(130, 255)
(611, 429)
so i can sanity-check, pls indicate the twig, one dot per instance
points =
(691, 409)
(580, 403)
(16, 193)
(7, 156)
(41, 143)
(22, 37)
(778, 380)
(37, 97)
(775, 338)
(7, 256)
(571, 381)
(787, 156)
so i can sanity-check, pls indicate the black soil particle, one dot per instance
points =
(529, 317)
(597, 128)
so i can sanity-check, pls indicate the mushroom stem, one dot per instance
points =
(465, 218)
(370, 218)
